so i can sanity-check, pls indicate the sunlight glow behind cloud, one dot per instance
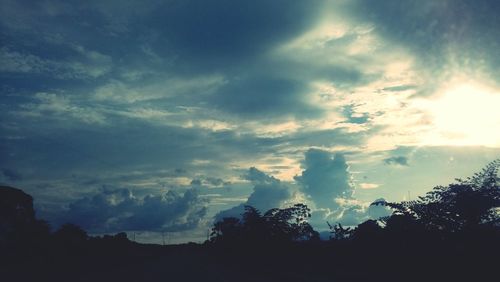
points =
(465, 113)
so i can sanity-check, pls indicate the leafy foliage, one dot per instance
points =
(289, 224)
(71, 233)
(339, 232)
(464, 205)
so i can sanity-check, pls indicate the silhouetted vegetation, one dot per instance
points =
(339, 232)
(450, 234)
(274, 226)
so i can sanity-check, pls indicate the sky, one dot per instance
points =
(163, 116)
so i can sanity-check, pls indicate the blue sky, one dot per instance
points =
(155, 116)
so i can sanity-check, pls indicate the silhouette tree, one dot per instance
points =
(290, 223)
(228, 230)
(71, 234)
(338, 232)
(276, 225)
(369, 230)
(464, 205)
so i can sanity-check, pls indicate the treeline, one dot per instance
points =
(31, 251)
(450, 234)
(469, 207)
(20, 229)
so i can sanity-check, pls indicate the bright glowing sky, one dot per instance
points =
(105, 102)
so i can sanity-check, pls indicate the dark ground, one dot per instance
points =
(127, 261)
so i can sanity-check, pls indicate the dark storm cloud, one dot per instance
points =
(110, 154)
(398, 160)
(119, 210)
(264, 97)
(100, 147)
(144, 42)
(223, 32)
(192, 36)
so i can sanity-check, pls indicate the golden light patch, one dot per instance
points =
(368, 185)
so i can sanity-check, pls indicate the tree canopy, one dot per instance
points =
(467, 204)
(283, 225)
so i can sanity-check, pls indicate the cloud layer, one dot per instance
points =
(170, 95)
(118, 210)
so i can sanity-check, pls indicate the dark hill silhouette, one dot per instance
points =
(18, 225)
(450, 234)
(16, 210)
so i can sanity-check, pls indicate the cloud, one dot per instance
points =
(264, 97)
(325, 178)
(378, 211)
(268, 192)
(123, 93)
(209, 181)
(398, 160)
(365, 185)
(159, 87)
(12, 61)
(353, 117)
(11, 175)
(230, 32)
(349, 213)
(119, 210)
(196, 182)
(327, 181)
(356, 213)
(444, 35)
(88, 65)
(258, 177)
(59, 107)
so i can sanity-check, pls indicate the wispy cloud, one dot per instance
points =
(89, 65)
